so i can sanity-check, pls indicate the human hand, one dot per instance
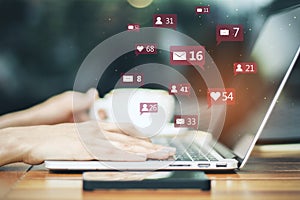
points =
(125, 128)
(124, 147)
(62, 142)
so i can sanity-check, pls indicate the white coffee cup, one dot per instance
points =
(149, 110)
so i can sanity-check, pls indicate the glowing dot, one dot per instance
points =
(109, 19)
(236, 9)
(250, 29)
(227, 16)
(265, 98)
(295, 17)
(290, 24)
(157, 9)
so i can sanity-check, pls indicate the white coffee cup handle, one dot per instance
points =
(100, 104)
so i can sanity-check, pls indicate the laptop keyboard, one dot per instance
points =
(192, 153)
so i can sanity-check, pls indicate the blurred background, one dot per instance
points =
(43, 43)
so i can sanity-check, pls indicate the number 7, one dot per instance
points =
(237, 29)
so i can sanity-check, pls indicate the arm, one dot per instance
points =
(58, 109)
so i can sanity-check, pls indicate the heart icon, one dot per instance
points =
(140, 48)
(215, 95)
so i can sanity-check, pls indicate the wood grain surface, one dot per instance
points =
(264, 177)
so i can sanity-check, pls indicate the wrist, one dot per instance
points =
(12, 146)
(20, 118)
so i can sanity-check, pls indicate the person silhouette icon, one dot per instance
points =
(158, 21)
(174, 89)
(239, 68)
(145, 108)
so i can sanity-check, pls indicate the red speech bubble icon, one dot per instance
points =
(229, 32)
(145, 49)
(188, 121)
(202, 9)
(148, 108)
(221, 96)
(183, 89)
(165, 21)
(187, 55)
(244, 68)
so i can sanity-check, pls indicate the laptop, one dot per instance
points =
(275, 51)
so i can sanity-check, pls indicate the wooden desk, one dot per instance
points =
(266, 176)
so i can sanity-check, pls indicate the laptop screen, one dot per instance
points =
(273, 51)
(44, 43)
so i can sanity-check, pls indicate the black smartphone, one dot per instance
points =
(146, 180)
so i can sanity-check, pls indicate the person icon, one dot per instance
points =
(174, 89)
(145, 108)
(239, 68)
(158, 21)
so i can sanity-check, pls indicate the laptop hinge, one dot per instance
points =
(224, 151)
(227, 153)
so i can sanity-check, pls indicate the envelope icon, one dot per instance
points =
(180, 121)
(179, 55)
(128, 78)
(130, 27)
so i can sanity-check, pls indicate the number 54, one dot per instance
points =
(227, 96)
